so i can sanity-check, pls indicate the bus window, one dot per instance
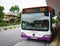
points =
(37, 21)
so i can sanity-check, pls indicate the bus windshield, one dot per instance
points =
(35, 21)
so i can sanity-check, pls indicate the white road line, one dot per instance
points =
(17, 44)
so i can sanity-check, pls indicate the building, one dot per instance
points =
(54, 4)
(9, 17)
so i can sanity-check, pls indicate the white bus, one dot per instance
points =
(36, 23)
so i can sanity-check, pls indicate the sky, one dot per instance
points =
(21, 3)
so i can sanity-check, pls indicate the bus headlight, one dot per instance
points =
(22, 33)
(47, 36)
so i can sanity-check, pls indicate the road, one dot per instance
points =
(11, 37)
(26, 42)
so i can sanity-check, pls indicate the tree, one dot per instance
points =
(1, 8)
(14, 9)
(55, 20)
(1, 12)
(19, 14)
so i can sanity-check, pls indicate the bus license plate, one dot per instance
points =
(33, 38)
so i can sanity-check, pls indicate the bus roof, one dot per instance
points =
(36, 9)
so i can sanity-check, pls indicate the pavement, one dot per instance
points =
(58, 43)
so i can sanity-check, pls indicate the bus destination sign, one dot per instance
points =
(34, 10)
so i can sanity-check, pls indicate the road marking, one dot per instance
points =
(55, 42)
(17, 44)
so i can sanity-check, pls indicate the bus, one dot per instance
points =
(36, 23)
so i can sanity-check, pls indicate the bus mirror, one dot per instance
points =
(53, 12)
(46, 14)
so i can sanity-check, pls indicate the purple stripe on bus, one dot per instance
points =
(38, 38)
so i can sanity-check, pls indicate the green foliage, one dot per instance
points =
(1, 15)
(59, 19)
(14, 9)
(1, 8)
(10, 27)
(3, 24)
(14, 27)
(55, 20)
(19, 14)
(1, 12)
(5, 28)
(0, 29)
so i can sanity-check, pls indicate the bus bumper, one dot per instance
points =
(37, 38)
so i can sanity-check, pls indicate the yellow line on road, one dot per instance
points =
(55, 42)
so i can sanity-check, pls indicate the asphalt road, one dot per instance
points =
(12, 37)
(26, 42)
(9, 37)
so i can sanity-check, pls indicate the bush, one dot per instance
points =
(0, 29)
(10, 27)
(3, 24)
(12, 23)
(5, 28)
(14, 27)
